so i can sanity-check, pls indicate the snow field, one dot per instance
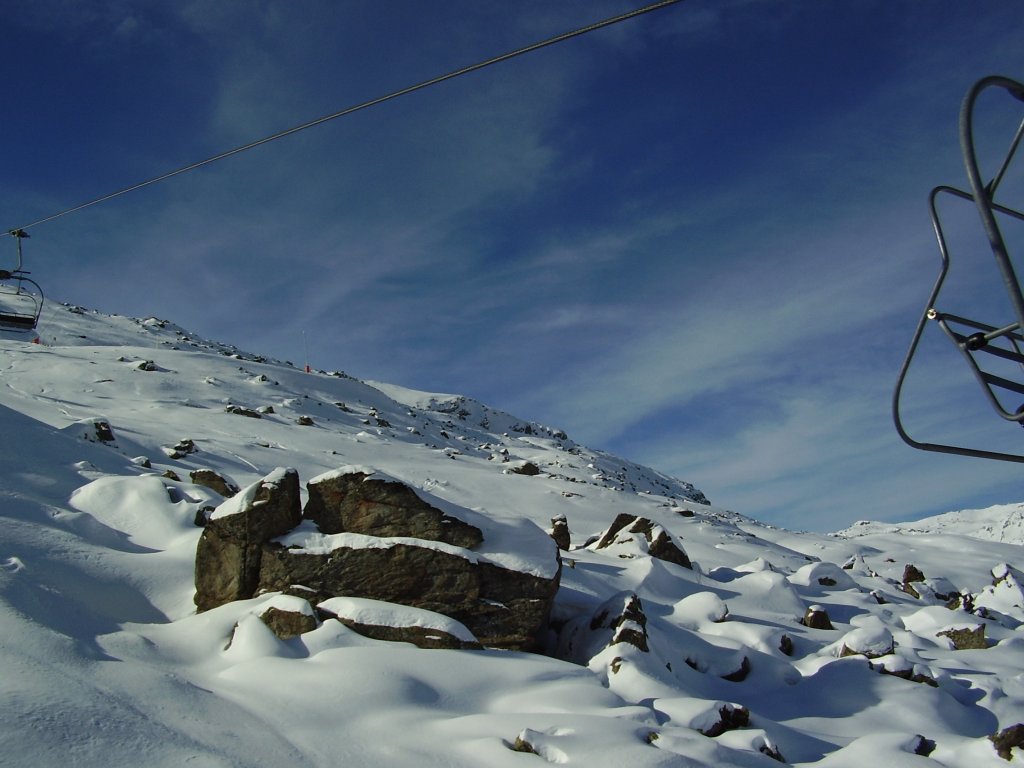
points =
(107, 664)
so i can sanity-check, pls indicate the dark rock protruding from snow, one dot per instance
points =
(240, 411)
(624, 616)
(911, 575)
(659, 542)
(229, 552)
(180, 449)
(207, 478)
(355, 502)
(966, 638)
(730, 718)
(1007, 739)
(524, 468)
(560, 532)
(816, 618)
(289, 617)
(93, 430)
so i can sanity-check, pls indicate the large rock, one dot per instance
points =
(228, 555)
(502, 607)
(353, 500)
(371, 536)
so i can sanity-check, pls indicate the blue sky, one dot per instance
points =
(699, 239)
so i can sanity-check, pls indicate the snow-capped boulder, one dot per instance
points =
(523, 467)
(180, 449)
(711, 718)
(897, 665)
(628, 624)
(96, 429)
(816, 617)
(229, 552)
(872, 641)
(700, 608)
(822, 576)
(399, 623)
(631, 536)
(1004, 597)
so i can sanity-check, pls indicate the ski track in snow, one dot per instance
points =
(106, 663)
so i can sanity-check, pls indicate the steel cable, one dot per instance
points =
(359, 107)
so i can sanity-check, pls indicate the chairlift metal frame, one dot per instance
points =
(21, 316)
(979, 343)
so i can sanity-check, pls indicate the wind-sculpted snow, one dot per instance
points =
(649, 663)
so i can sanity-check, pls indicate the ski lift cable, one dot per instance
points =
(359, 107)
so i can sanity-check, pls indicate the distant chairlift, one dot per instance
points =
(21, 298)
(994, 352)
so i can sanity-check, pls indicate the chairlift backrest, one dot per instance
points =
(986, 347)
(21, 298)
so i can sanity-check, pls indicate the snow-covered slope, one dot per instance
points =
(1002, 522)
(105, 661)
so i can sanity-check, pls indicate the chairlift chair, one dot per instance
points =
(21, 298)
(986, 347)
